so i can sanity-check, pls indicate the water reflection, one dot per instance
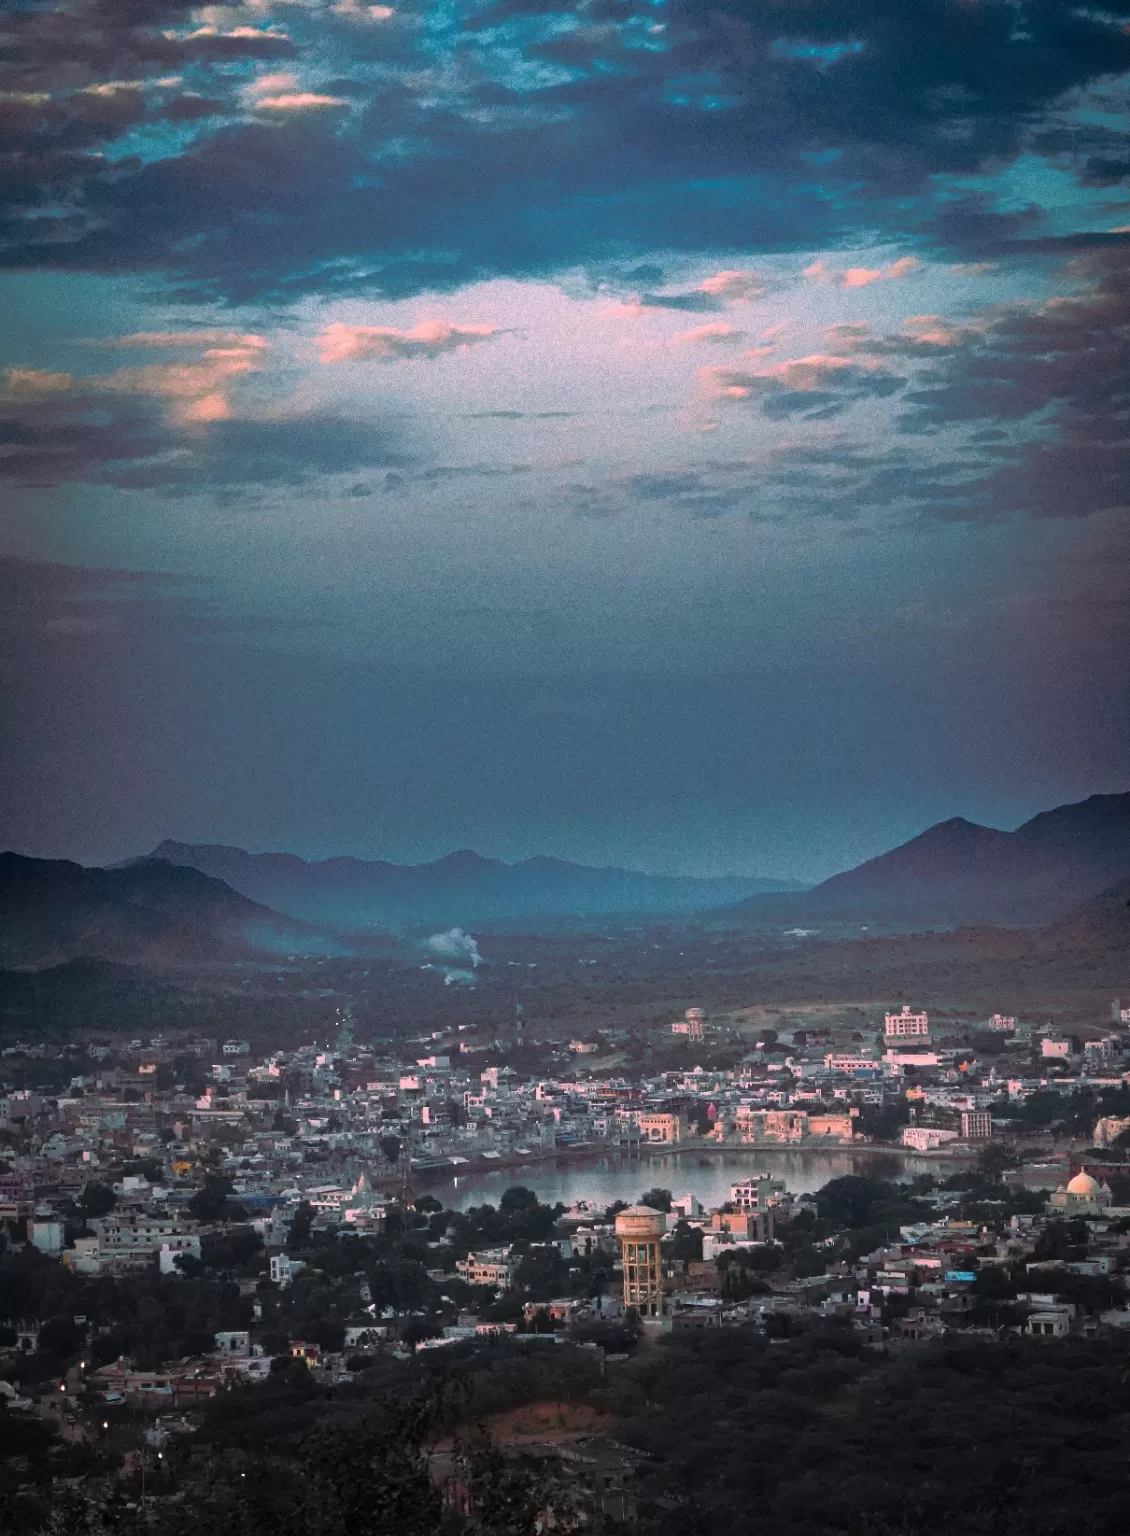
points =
(620, 1176)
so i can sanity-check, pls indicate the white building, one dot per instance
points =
(170, 1251)
(284, 1269)
(976, 1124)
(47, 1236)
(926, 1138)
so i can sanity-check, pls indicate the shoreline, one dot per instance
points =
(476, 1166)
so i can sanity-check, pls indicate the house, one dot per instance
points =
(494, 1267)
(284, 1269)
(1052, 1324)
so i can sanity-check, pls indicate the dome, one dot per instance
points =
(1083, 1184)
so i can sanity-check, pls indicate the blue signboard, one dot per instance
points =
(960, 1274)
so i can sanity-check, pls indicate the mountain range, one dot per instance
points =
(959, 872)
(355, 894)
(152, 913)
(1069, 867)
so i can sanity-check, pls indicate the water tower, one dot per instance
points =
(639, 1230)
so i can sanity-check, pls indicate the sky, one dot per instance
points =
(685, 434)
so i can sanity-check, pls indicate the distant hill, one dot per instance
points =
(53, 911)
(959, 872)
(464, 887)
(1102, 923)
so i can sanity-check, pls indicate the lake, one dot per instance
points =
(604, 1177)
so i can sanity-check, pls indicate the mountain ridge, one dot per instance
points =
(54, 911)
(461, 887)
(958, 872)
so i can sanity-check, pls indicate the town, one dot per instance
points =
(185, 1217)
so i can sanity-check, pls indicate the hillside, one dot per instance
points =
(463, 887)
(959, 872)
(53, 911)
(1101, 924)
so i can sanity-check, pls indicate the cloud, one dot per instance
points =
(716, 333)
(861, 277)
(197, 389)
(821, 384)
(357, 10)
(733, 285)
(34, 384)
(1052, 377)
(531, 144)
(298, 101)
(340, 343)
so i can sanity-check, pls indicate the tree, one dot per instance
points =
(300, 1225)
(993, 1159)
(658, 1199)
(209, 1201)
(390, 1148)
(97, 1200)
(507, 1497)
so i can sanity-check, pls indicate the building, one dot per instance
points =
(494, 1267)
(665, 1128)
(284, 1269)
(976, 1125)
(1054, 1049)
(790, 1125)
(760, 1194)
(46, 1235)
(1004, 1023)
(188, 1244)
(905, 1025)
(639, 1231)
(1081, 1196)
(692, 1024)
(926, 1138)
(1109, 1129)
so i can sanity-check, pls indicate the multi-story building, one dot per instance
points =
(905, 1025)
(493, 1266)
(976, 1125)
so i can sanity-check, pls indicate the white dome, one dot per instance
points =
(1083, 1184)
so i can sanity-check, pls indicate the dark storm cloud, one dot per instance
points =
(522, 139)
(1056, 375)
(131, 443)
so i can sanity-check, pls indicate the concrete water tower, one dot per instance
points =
(639, 1230)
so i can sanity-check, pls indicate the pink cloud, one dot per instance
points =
(298, 101)
(707, 333)
(196, 390)
(819, 373)
(734, 284)
(860, 277)
(382, 343)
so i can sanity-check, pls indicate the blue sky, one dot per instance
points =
(689, 436)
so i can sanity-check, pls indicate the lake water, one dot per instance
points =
(606, 1177)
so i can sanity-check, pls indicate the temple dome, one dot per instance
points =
(1084, 1184)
